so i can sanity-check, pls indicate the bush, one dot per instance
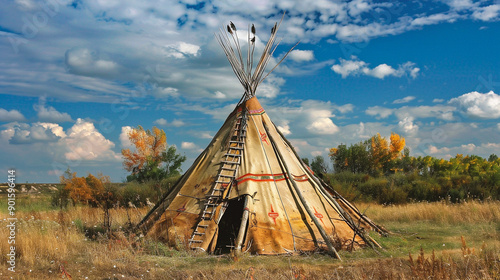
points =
(60, 198)
(138, 194)
(142, 194)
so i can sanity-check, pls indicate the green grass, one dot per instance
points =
(28, 203)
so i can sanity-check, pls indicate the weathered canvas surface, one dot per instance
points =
(278, 222)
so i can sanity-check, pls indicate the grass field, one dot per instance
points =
(428, 241)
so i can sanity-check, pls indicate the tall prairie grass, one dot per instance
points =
(49, 241)
(442, 213)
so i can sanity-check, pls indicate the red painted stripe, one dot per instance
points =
(261, 180)
(251, 174)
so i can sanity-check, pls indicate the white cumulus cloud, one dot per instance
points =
(85, 142)
(301, 55)
(188, 145)
(488, 13)
(407, 126)
(124, 138)
(49, 113)
(379, 112)
(36, 132)
(478, 105)
(356, 67)
(323, 126)
(11, 116)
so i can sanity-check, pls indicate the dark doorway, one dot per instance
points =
(229, 226)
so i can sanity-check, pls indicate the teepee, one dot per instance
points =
(249, 190)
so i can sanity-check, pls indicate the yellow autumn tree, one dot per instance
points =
(151, 160)
(149, 146)
(397, 145)
(384, 153)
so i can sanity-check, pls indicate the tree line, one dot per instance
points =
(383, 170)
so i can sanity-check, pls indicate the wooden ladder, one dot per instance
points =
(227, 174)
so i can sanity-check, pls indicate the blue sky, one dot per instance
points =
(75, 76)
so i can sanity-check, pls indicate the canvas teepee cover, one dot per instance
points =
(249, 189)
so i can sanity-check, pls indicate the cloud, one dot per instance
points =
(36, 133)
(309, 117)
(87, 62)
(188, 145)
(488, 13)
(174, 123)
(11, 116)
(407, 126)
(163, 92)
(48, 143)
(323, 126)
(414, 112)
(349, 67)
(379, 112)
(437, 111)
(483, 149)
(284, 128)
(182, 50)
(161, 122)
(301, 55)
(219, 95)
(435, 19)
(478, 105)
(124, 137)
(437, 100)
(356, 67)
(49, 113)
(460, 4)
(84, 142)
(404, 100)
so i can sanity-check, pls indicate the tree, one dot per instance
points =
(339, 157)
(492, 158)
(319, 166)
(61, 197)
(151, 159)
(384, 154)
(94, 191)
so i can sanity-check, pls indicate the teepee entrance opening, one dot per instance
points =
(229, 226)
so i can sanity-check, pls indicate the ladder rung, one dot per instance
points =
(195, 241)
(222, 182)
(231, 162)
(232, 155)
(226, 176)
(236, 142)
(198, 233)
(236, 148)
(211, 204)
(220, 190)
(230, 169)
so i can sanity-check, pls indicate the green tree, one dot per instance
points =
(152, 158)
(492, 158)
(318, 166)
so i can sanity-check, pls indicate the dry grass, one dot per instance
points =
(442, 213)
(51, 240)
